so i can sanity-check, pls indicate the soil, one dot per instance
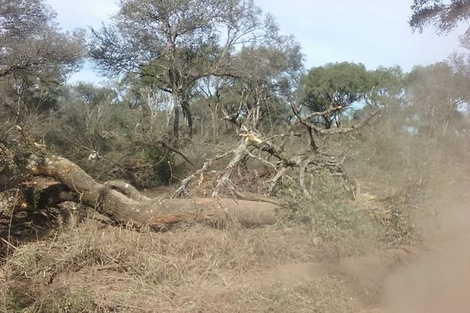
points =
(89, 268)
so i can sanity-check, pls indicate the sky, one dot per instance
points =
(372, 32)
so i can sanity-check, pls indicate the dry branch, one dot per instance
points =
(7, 182)
(312, 160)
(183, 188)
(330, 131)
(239, 153)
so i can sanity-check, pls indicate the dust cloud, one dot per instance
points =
(438, 280)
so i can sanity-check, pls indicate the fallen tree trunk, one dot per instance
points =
(123, 204)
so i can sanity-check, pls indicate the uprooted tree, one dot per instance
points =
(120, 203)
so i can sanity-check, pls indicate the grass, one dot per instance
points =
(87, 269)
(199, 269)
(281, 268)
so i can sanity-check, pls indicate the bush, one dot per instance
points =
(328, 211)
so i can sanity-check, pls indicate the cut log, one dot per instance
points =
(123, 204)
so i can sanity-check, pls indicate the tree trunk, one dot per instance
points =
(176, 118)
(187, 113)
(124, 204)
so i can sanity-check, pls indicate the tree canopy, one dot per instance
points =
(335, 85)
(36, 56)
(443, 15)
(174, 44)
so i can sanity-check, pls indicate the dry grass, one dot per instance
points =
(323, 259)
(87, 269)
(296, 266)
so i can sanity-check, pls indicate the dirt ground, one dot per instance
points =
(199, 269)
(96, 268)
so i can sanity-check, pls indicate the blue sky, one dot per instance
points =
(372, 32)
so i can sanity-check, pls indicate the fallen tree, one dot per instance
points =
(123, 204)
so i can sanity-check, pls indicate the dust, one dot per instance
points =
(438, 280)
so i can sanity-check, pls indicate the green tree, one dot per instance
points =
(35, 57)
(175, 44)
(443, 15)
(333, 88)
(388, 92)
(264, 84)
(435, 94)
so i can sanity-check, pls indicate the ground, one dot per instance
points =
(276, 269)
(282, 268)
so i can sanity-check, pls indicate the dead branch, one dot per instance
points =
(312, 161)
(183, 188)
(275, 179)
(165, 145)
(303, 171)
(239, 153)
(268, 147)
(331, 109)
(331, 131)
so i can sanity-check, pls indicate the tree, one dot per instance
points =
(388, 92)
(120, 202)
(317, 124)
(144, 94)
(444, 15)
(439, 91)
(177, 43)
(435, 94)
(265, 82)
(35, 57)
(333, 88)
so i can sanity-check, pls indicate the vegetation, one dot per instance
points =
(443, 15)
(279, 172)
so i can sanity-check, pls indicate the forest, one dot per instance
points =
(213, 172)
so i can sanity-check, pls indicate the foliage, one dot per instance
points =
(337, 85)
(327, 210)
(436, 94)
(35, 57)
(107, 139)
(265, 84)
(443, 15)
(172, 45)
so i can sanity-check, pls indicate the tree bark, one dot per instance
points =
(124, 204)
